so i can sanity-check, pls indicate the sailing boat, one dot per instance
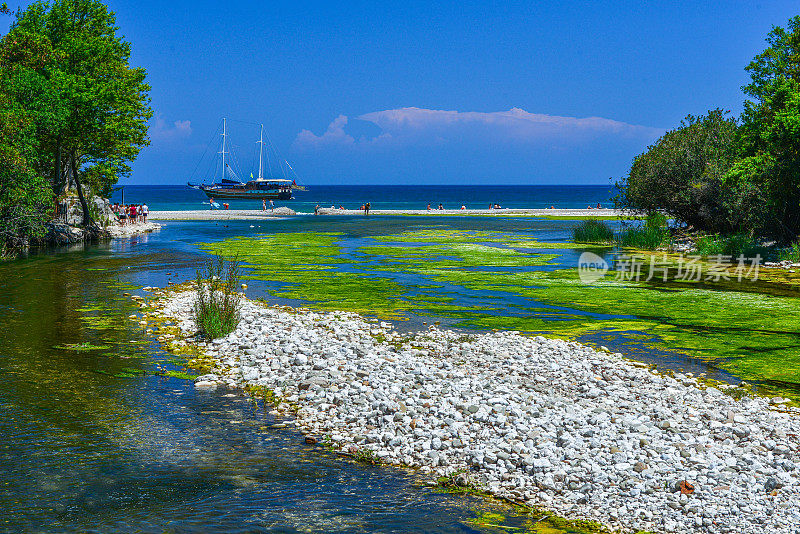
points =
(231, 187)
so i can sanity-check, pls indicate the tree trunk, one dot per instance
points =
(88, 223)
(58, 183)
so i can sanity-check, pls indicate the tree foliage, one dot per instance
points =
(723, 175)
(25, 195)
(64, 73)
(766, 179)
(684, 171)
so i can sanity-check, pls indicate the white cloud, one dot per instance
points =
(161, 131)
(425, 127)
(334, 135)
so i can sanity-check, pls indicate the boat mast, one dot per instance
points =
(260, 152)
(224, 134)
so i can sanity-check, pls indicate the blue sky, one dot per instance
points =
(452, 93)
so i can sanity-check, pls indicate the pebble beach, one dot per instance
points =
(581, 432)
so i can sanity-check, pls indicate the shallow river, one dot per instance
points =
(93, 440)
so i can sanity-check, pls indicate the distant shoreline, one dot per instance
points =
(223, 215)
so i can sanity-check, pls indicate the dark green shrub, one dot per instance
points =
(791, 253)
(592, 231)
(730, 245)
(683, 173)
(218, 304)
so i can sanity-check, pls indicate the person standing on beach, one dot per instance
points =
(272, 206)
(316, 209)
(264, 204)
(145, 212)
(366, 208)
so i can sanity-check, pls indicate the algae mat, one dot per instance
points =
(512, 281)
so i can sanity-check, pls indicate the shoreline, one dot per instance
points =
(129, 230)
(543, 422)
(222, 215)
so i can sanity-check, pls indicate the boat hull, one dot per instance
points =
(252, 194)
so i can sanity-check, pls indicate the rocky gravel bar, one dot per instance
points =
(551, 423)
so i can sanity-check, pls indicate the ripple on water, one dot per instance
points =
(110, 451)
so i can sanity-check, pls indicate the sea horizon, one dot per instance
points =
(384, 196)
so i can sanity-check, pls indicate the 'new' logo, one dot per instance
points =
(591, 267)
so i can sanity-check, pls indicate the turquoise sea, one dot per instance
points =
(399, 197)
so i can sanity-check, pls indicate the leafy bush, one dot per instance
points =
(720, 174)
(593, 231)
(683, 172)
(652, 235)
(730, 245)
(791, 253)
(217, 307)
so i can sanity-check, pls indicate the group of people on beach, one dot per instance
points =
(364, 207)
(130, 213)
(464, 207)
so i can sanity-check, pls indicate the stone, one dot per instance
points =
(514, 416)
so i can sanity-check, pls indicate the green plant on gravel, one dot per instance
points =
(217, 308)
(791, 253)
(730, 245)
(593, 231)
(366, 456)
(654, 234)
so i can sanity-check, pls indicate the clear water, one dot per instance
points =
(95, 441)
(162, 197)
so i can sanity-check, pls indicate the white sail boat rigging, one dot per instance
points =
(232, 187)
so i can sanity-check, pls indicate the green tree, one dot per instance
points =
(683, 172)
(765, 181)
(25, 196)
(89, 106)
(26, 199)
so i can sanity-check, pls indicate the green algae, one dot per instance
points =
(509, 282)
(182, 375)
(81, 347)
(288, 252)
(451, 237)
(460, 255)
(125, 372)
(511, 517)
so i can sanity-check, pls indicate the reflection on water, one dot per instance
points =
(94, 441)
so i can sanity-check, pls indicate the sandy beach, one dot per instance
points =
(223, 215)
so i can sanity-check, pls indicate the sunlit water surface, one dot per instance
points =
(94, 441)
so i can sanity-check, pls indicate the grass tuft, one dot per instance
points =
(652, 235)
(730, 245)
(593, 231)
(791, 253)
(218, 304)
